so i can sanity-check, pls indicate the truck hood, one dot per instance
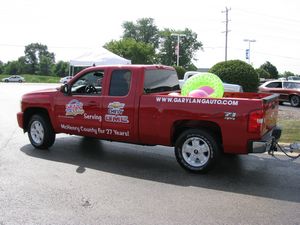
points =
(43, 91)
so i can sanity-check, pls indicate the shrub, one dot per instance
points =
(237, 72)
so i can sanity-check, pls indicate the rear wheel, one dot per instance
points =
(295, 100)
(40, 132)
(196, 150)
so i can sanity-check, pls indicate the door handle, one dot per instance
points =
(92, 103)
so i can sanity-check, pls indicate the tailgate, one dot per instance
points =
(270, 108)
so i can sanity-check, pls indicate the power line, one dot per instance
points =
(269, 16)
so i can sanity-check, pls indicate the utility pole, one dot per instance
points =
(226, 31)
(177, 46)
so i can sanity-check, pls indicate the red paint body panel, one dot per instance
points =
(153, 119)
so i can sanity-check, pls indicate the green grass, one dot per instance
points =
(290, 130)
(36, 78)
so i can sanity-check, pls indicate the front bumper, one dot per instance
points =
(266, 143)
(20, 119)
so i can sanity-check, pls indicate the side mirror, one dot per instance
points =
(65, 89)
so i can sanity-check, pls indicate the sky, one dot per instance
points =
(69, 28)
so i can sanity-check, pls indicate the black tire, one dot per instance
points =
(6, 81)
(40, 132)
(197, 150)
(295, 100)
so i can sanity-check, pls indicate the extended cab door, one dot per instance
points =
(79, 112)
(119, 106)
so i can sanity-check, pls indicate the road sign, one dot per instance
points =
(247, 53)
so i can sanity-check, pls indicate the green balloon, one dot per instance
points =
(201, 80)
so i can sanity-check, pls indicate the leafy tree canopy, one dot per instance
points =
(271, 69)
(137, 52)
(144, 30)
(188, 45)
(262, 73)
(37, 53)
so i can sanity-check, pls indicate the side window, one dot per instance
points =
(275, 85)
(88, 84)
(120, 83)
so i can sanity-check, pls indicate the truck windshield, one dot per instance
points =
(159, 80)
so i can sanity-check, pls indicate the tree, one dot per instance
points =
(11, 67)
(180, 71)
(262, 73)
(35, 53)
(61, 69)
(45, 65)
(138, 52)
(237, 72)
(271, 69)
(1, 67)
(144, 30)
(287, 74)
(23, 66)
(187, 47)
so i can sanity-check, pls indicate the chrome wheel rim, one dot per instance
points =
(37, 132)
(195, 152)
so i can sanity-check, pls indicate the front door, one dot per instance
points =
(80, 111)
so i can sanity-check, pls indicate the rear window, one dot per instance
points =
(120, 83)
(160, 80)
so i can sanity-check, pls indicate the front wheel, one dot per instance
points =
(196, 150)
(295, 100)
(40, 132)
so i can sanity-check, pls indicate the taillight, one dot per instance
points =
(256, 120)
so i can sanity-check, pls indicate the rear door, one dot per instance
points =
(119, 107)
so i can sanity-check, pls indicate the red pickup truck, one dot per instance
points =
(137, 104)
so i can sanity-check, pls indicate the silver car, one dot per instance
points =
(14, 78)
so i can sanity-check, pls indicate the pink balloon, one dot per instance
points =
(209, 90)
(198, 93)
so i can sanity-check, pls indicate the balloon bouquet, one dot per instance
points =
(202, 85)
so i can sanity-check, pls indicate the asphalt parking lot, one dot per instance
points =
(88, 181)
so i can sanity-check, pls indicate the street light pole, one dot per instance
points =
(249, 53)
(177, 47)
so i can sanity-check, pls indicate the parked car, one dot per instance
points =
(14, 78)
(65, 80)
(227, 87)
(289, 91)
(293, 78)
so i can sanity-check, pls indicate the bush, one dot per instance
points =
(237, 72)
(180, 71)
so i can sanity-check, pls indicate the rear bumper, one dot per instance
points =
(266, 143)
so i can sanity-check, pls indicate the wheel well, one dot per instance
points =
(33, 111)
(211, 127)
